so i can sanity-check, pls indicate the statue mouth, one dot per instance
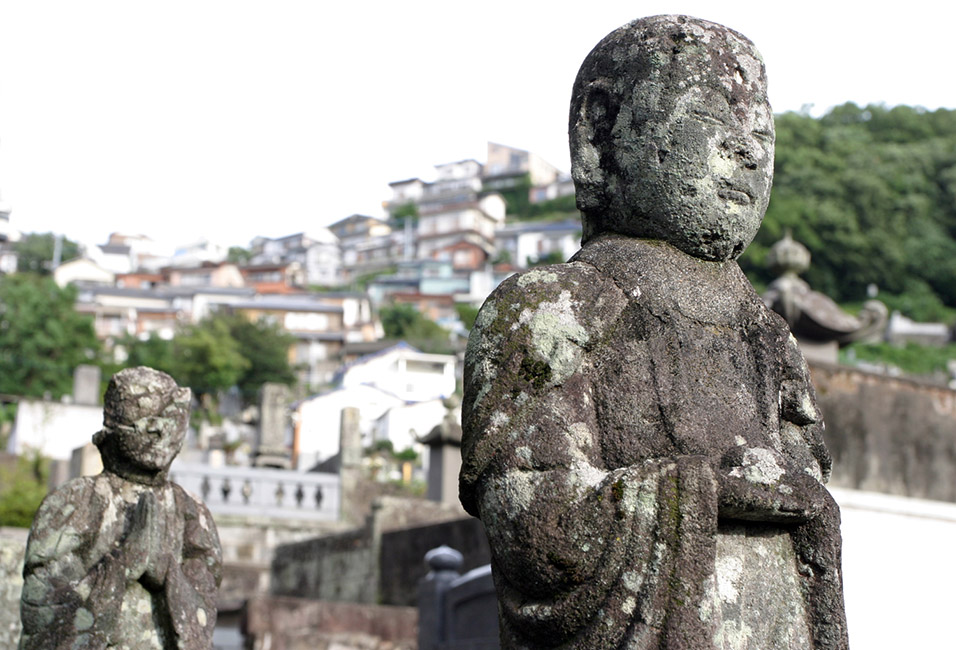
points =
(734, 196)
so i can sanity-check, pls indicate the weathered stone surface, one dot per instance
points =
(11, 581)
(125, 559)
(636, 423)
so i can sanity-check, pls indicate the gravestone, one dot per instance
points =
(640, 435)
(86, 385)
(125, 559)
(85, 461)
(350, 465)
(271, 449)
(444, 455)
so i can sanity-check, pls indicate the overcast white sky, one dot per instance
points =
(227, 119)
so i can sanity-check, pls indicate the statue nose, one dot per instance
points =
(742, 151)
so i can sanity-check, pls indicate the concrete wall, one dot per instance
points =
(381, 562)
(402, 563)
(888, 434)
(336, 567)
(898, 572)
(55, 429)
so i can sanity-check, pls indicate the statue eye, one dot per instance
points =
(766, 136)
(707, 118)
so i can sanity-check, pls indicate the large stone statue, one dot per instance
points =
(125, 559)
(640, 436)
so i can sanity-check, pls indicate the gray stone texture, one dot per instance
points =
(271, 448)
(637, 425)
(125, 559)
(12, 545)
(889, 434)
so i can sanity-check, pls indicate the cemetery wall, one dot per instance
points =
(888, 434)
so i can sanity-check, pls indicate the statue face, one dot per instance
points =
(152, 441)
(701, 172)
(672, 136)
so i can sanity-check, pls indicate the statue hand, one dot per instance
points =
(136, 540)
(146, 537)
(760, 484)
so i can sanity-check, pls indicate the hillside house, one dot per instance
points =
(524, 244)
(398, 392)
(317, 253)
(321, 325)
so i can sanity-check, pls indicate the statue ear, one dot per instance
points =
(591, 128)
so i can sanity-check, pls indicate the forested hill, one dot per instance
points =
(872, 193)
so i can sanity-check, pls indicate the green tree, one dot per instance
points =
(871, 191)
(155, 352)
(517, 197)
(238, 255)
(35, 252)
(266, 347)
(207, 358)
(405, 212)
(219, 352)
(466, 314)
(405, 322)
(554, 257)
(42, 337)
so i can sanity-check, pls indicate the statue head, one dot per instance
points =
(144, 423)
(672, 136)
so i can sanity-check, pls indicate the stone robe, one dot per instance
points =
(76, 591)
(638, 431)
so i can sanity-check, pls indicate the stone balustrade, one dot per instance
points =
(258, 492)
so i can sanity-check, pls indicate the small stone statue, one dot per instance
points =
(640, 435)
(125, 559)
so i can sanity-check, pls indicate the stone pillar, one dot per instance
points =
(350, 463)
(271, 450)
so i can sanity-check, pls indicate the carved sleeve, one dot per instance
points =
(74, 583)
(192, 583)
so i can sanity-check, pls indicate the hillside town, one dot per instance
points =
(367, 414)
(444, 243)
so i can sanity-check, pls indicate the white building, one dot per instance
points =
(529, 242)
(504, 161)
(317, 251)
(397, 391)
(82, 269)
